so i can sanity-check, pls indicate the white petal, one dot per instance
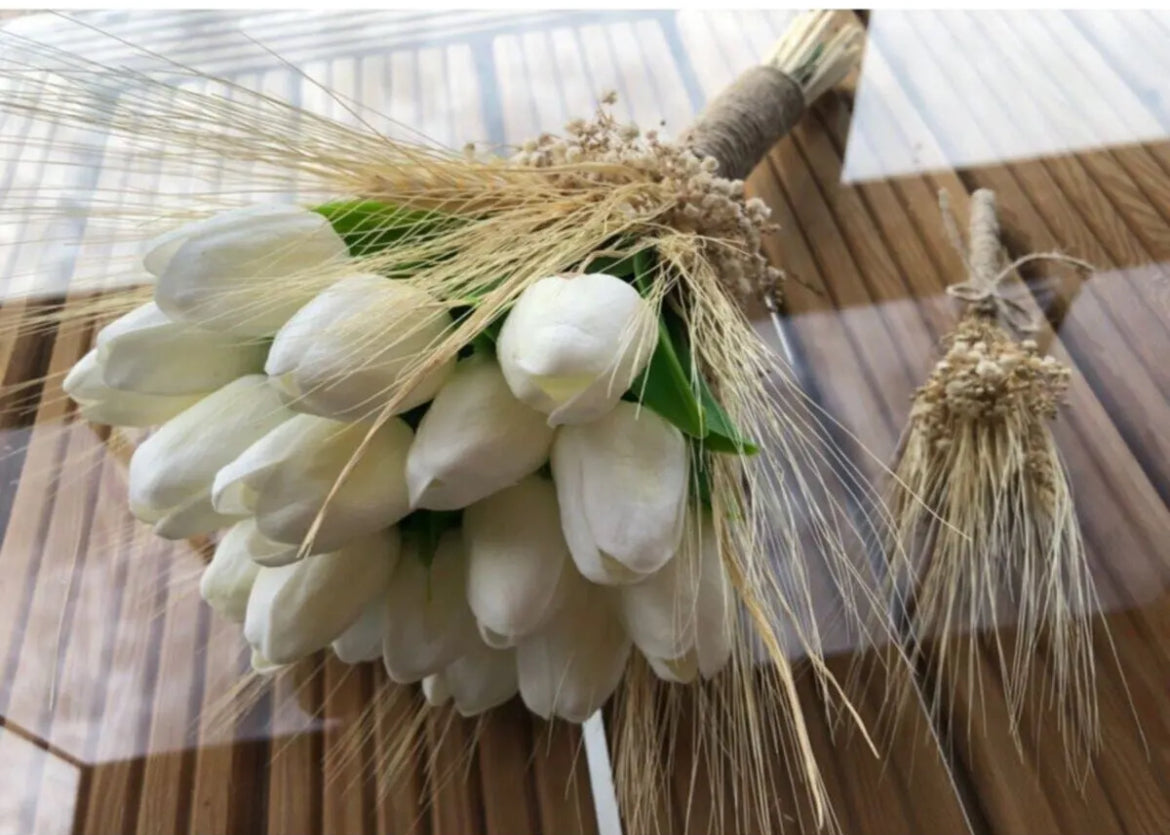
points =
(159, 250)
(517, 558)
(245, 272)
(715, 604)
(428, 623)
(659, 612)
(622, 484)
(475, 439)
(571, 667)
(194, 517)
(362, 641)
(101, 404)
(675, 670)
(227, 580)
(572, 345)
(262, 666)
(146, 352)
(297, 609)
(285, 477)
(680, 616)
(174, 467)
(346, 353)
(435, 690)
(268, 553)
(481, 679)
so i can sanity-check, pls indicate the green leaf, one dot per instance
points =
(368, 226)
(624, 267)
(700, 480)
(667, 386)
(722, 435)
(426, 527)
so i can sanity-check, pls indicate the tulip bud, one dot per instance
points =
(284, 478)
(574, 664)
(99, 403)
(351, 349)
(475, 439)
(572, 345)
(244, 271)
(429, 624)
(362, 641)
(171, 472)
(146, 352)
(297, 609)
(480, 680)
(622, 487)
(680, 616)
(227, 580)
(517, 560)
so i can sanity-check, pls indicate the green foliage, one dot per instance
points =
(369, 227)
(424, 528)
(669, 387)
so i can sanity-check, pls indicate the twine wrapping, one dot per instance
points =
(982, 289)
(746, 119)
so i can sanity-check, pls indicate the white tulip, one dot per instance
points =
(244, 271)
(227, 580)
(572, 345)
(574, 664)
(99, 403)
(518, 562)
(680, 616)
(362, 641)
(297, 609)
(478, 681)
(475, 439)
(349, 351)
(622, 485)
(146, 352)
(428, 622)
(171, 472)
(284, 478)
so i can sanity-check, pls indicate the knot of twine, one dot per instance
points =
(982, 289)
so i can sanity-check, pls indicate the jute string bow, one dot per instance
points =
(983, 287)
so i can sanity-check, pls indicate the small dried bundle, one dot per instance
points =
(983, 506)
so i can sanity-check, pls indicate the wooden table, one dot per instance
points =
(116, 678)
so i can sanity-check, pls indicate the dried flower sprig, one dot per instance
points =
(983, 506)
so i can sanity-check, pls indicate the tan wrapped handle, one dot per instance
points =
(746, 119)
(816, 52)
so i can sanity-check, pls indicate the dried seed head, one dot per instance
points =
(703, 203)
(987, 376)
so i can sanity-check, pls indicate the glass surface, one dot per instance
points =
(117, 679)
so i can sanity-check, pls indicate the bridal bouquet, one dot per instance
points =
(500, 424)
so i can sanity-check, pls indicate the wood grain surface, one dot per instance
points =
(120, 710)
